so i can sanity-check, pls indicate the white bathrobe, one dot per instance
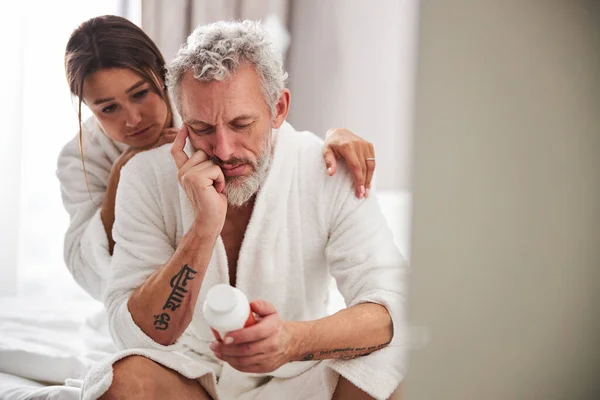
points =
(306, 228)
(86, 245)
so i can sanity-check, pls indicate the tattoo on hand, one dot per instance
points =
(178, 282)
(307, 357)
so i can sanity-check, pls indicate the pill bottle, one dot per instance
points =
(227, 309)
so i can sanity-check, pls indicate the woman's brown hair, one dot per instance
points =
(110, 41)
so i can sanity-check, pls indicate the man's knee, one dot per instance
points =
(133, 377)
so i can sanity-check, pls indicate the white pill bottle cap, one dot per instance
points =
(226, 308)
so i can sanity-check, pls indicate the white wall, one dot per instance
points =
(506, 200)
(351, 65)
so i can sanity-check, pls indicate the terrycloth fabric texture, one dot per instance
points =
(186, 362)
(86, 245)
(306, 227)
(316, 383)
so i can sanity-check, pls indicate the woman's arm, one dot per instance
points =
(88, 198)
(85, 244)
(107, 211)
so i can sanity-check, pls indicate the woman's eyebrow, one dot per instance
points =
(135, 86)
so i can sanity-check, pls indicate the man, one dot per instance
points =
(243, 199)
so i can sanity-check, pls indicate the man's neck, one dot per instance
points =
(240, 214)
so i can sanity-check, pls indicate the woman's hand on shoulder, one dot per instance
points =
(359, 155)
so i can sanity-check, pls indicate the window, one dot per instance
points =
(43, 118)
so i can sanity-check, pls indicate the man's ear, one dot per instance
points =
(282, 108)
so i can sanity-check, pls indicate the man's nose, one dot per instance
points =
(224, 144)
(132, 117)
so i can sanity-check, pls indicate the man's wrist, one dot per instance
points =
(300, 343)
(200, 233)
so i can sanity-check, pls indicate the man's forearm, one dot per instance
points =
(350, 333)
(164, 305)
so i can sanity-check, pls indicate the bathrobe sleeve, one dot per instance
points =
(367, 267)
(142, 241)
(85, 244)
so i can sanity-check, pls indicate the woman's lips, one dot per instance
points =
(140, 132)
(235, 170)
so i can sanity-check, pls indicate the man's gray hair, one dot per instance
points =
(214, 51)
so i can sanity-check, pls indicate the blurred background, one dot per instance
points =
(485, 116)
(351, 64)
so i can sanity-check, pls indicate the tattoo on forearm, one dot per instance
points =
(342, 353)
(178, 282)
(161, 321)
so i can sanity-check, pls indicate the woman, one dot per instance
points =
(128, 119)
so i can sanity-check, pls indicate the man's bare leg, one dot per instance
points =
(137, 377)
(397, 395)
(345, 390)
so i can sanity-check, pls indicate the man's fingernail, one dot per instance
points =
(212, 346)
(368, 191)
(228, 340)
(362, 191)
(329, 170)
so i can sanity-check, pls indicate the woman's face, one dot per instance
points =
(126, 106)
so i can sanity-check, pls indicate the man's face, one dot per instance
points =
(230, 121)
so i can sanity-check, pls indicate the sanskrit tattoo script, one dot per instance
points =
(346, 353)
(178, 285)
(161, 321)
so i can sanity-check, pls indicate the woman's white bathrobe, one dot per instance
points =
(306, 228)
(86, 245)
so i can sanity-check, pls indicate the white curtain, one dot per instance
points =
(169, 23)
(11, 40)
(351, 65)
(38, 118)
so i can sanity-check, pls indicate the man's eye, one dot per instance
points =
(140, 94)
(109, 109)
(242, 126)
(204, 131)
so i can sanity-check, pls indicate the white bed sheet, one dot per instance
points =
(16, 388)
(47, 341)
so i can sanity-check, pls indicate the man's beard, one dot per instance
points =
(240, 189)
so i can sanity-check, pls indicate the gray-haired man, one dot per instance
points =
(241, 198)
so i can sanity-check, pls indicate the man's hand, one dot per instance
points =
(262, 347)
(204, 184)
(358, 154)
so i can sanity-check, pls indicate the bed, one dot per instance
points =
(47, 343)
